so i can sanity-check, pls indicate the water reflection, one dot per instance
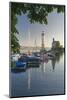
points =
(56, 60)
(29, 79)
(40, 65)
(18, 70)
(39, 79)
(53, 64)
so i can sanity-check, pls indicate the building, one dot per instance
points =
(55, 44)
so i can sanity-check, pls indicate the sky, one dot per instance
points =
(29, 33)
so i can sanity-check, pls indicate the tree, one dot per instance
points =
(57, 44)
(35, 13)
(14, 44)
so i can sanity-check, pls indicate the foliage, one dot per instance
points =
(61, 46)
(13, 64)
(34, 12)
(14, 44)
(57, 44)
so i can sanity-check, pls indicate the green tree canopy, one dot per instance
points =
(57, 44)
(14, 43)
(35, 13)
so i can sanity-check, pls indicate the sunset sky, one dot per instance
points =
(28, 32)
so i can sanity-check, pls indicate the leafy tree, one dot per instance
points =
(57, 44)
(14, 43)
(61, 46)
(35, 13)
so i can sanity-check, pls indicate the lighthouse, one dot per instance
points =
(42, 40)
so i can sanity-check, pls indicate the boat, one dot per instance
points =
(15, 57)
(36, 54)
(20, 65)
(44, 57)
(50, 55)
(29, 58)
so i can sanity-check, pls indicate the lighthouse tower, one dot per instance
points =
(42, 40)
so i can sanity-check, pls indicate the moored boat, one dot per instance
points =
(20, 65)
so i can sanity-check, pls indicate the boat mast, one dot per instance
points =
(29, 38)
(35, 45)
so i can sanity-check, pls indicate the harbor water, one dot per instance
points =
(45, 79)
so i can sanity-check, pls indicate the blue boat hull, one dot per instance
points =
(20, 65)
